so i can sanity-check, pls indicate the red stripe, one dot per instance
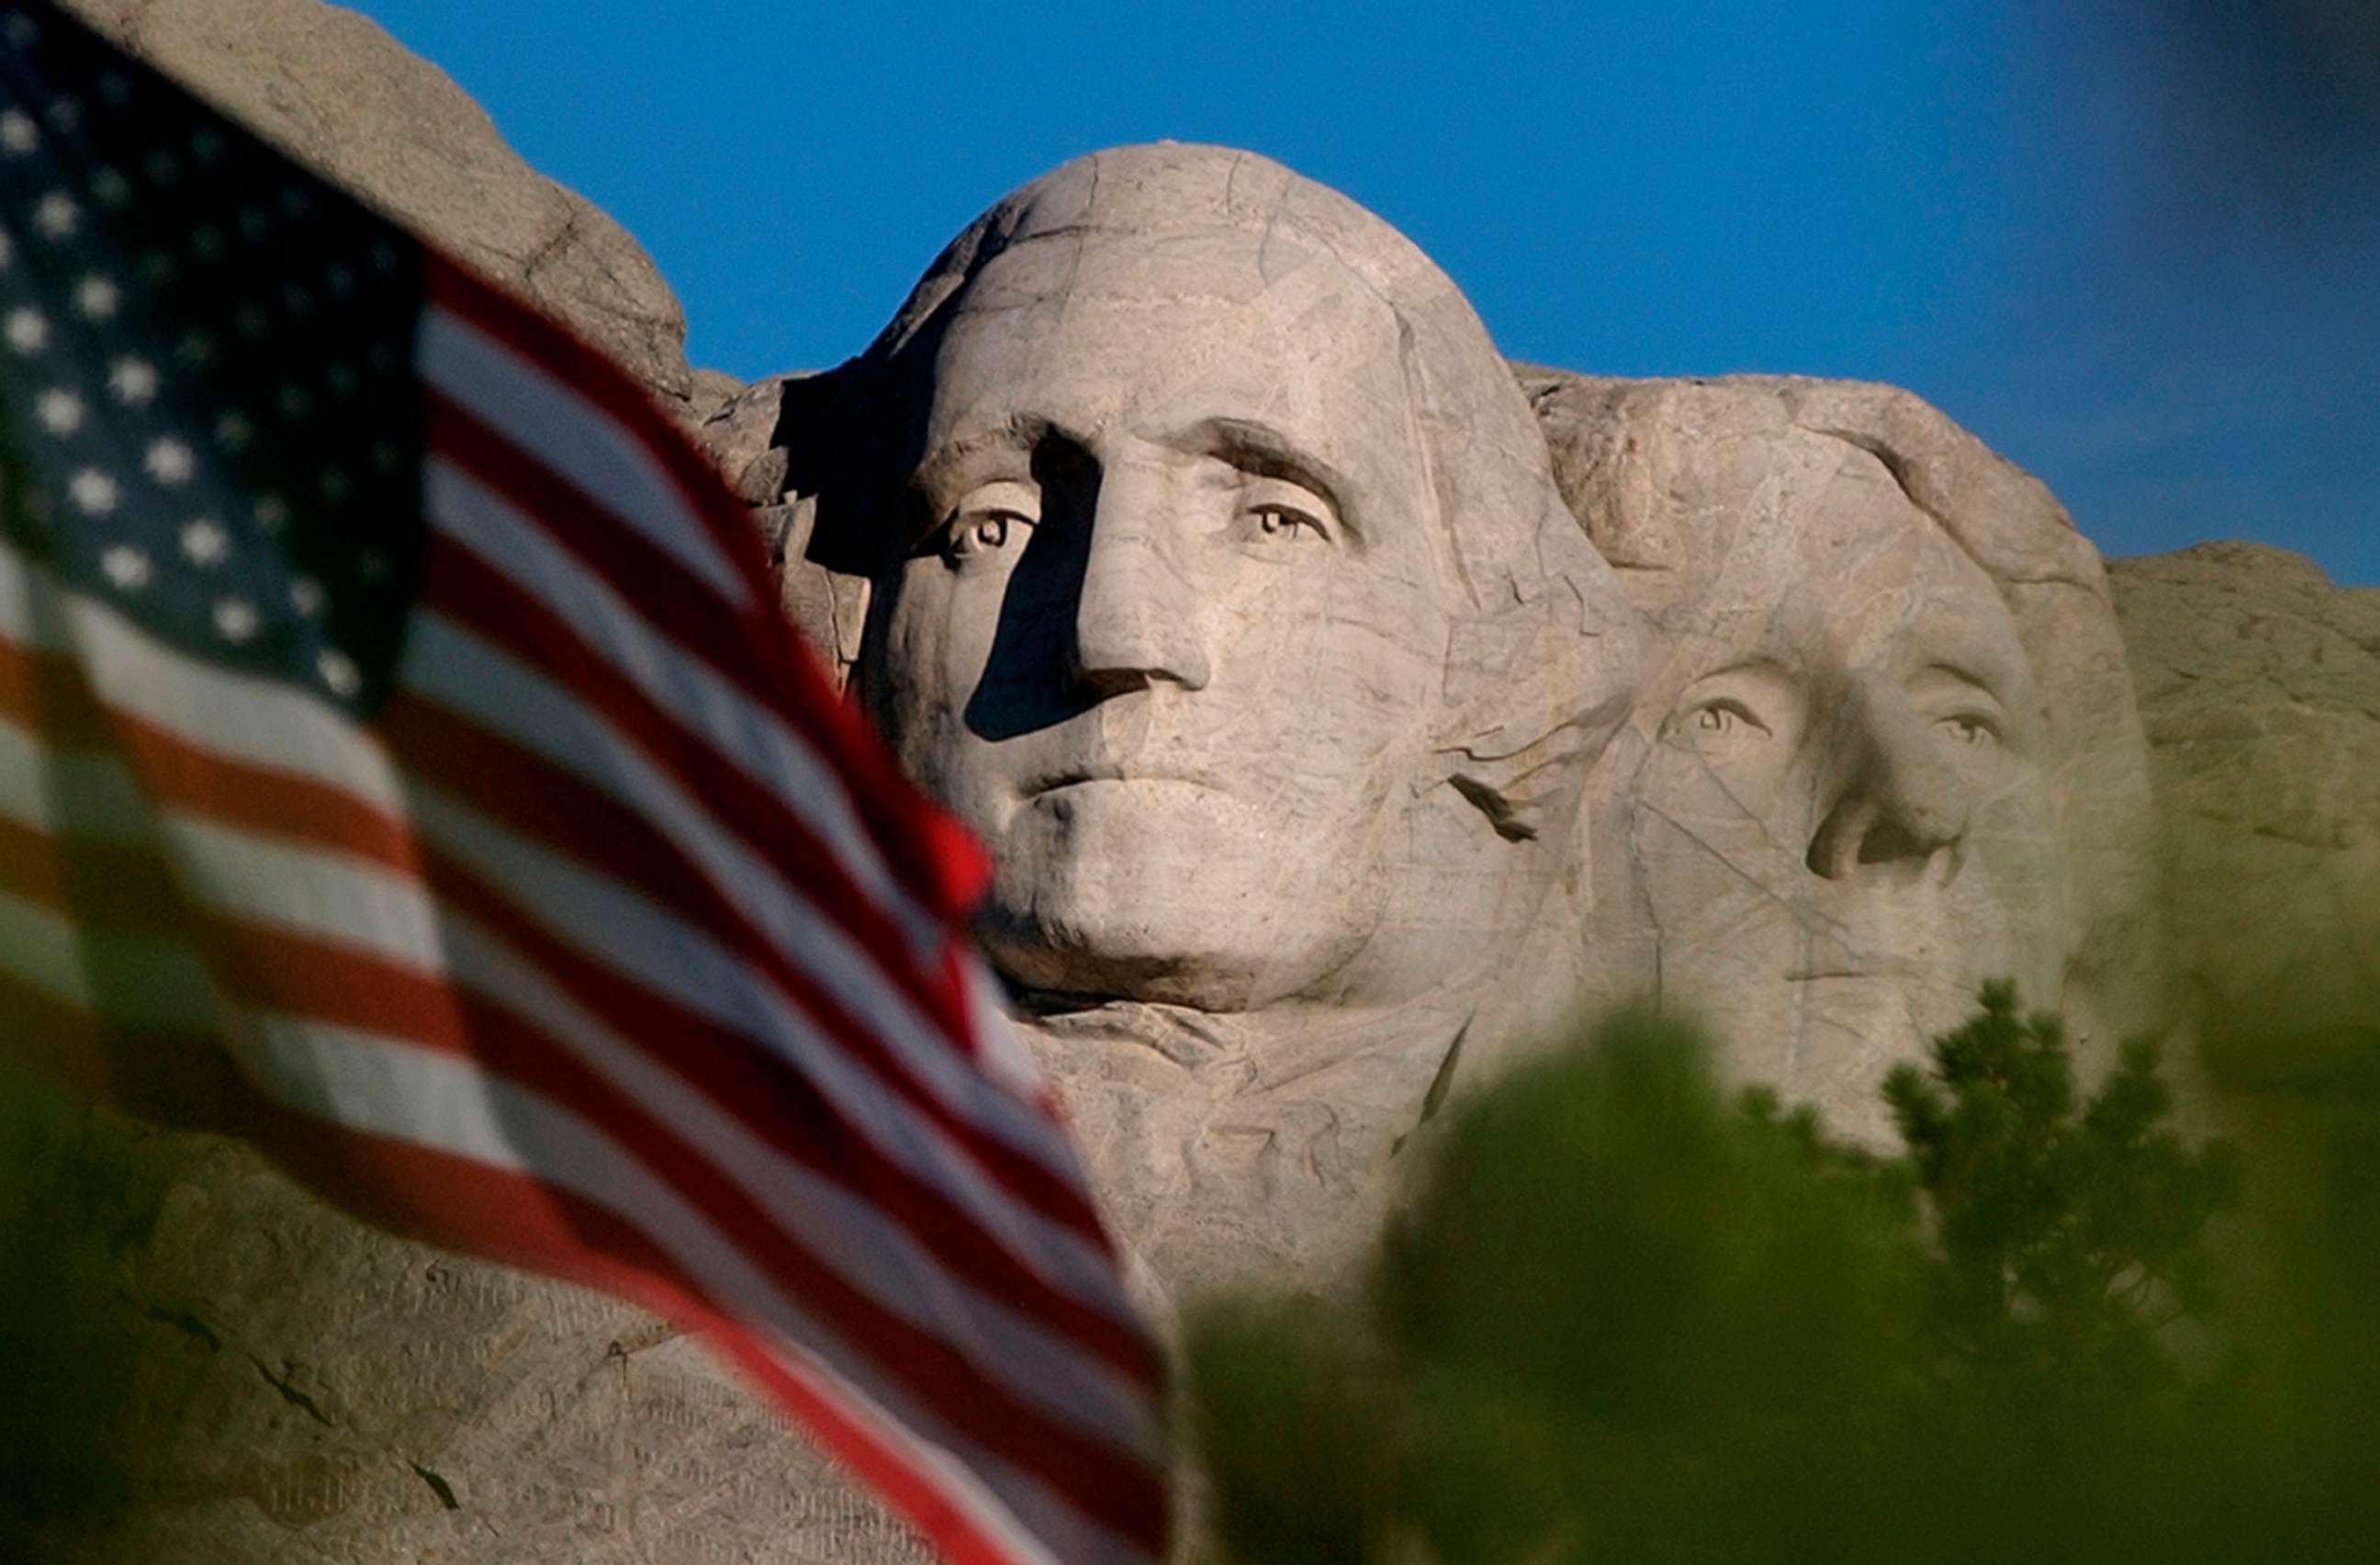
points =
(722, 1064)
(457, 584)
(638, 571)
(600, 382)
(173, 1075)
(276, 971)
(940, 863)
(45, 693)
(261, 800)
(537, 799)
(268, 970)
(457, 1202)
(49, 694)
(970, 1400)
(555, 809)
(510, 1217)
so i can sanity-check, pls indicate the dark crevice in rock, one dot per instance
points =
(438, 1485)
(290, 1394)
(186, 1324)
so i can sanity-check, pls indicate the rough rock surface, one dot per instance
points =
(313, 1390)
(338, 92)
(2259, 684)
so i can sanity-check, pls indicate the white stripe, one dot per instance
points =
(852, 1236)
(390, 915)
(624, 932)
(742, 729)
(450, 666)
(128, 978)
(260, 722)
(529, 406)
(391, 1089)
(372, 1082)
(1024, 1513)
(323, 895)
(942, 1472)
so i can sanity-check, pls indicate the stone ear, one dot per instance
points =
(1534, 694)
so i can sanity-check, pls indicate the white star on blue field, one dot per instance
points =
(206, 407)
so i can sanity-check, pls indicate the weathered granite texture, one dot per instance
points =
(2260, 683)
(332, 88)
(313, 1390)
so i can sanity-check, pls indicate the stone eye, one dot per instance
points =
(983, 532)
(1970, 729)
(1282, 522)
(1725, 716)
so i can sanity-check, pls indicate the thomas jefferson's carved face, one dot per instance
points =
(1844, 820)
(1171, 631)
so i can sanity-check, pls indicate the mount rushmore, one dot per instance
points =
(1344, 705)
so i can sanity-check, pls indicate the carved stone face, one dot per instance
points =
(1172, 633)
(1844, 822)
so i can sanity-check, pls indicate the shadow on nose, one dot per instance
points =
(1094, 609)
(1900, 804)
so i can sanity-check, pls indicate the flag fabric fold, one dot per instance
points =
(403, 763)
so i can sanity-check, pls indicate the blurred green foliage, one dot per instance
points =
(71, 1380)
(1625, 1319)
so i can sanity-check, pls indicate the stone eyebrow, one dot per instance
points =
(1259, 449)
(1986, 670)
(948, 462)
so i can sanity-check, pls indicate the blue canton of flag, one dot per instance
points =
(208, 409)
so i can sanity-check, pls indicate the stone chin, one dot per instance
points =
(1172, 892)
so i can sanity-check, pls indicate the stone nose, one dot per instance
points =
(1898, 800)
(1139, 620)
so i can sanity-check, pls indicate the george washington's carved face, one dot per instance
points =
(1170, 632)
(1220, 584)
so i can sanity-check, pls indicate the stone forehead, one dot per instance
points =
(1172, 189)
(1492, 487)
(1243, 217)
(1669, 475)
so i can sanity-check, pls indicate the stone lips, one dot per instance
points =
(322, 1388)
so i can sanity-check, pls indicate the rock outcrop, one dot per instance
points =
(2259, 683)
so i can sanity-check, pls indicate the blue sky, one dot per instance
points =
(2142, 261)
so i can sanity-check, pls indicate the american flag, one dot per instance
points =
(403, 763)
